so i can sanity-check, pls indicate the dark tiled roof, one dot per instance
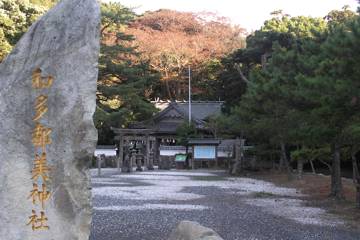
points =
(178, 111)
(227, 142)
(204, 141)
(201, 110)
(105, 147)
(167, 127)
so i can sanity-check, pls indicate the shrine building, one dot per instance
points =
(159, 133)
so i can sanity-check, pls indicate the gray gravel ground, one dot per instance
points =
(228, 212)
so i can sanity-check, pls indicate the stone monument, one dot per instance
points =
(187, 230)
(47, 135)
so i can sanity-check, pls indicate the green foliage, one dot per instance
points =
(115, 16)
(44, 3)
(302, 86)
(230, 125)
(230, 86)
(337, 17)
(184, 132)
(277, 33)
(206, 77)
(269, 108)
(125, 83)
(306, 154)
(263, 195)
(15, 18)
(335, 87)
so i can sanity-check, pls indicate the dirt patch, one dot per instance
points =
(316, 187)
(208, 178)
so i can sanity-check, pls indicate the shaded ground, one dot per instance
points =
(317, 187)
(148, 205)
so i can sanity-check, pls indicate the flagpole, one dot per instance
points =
(189, 95)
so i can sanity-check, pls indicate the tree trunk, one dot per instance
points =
(312, 166)
(336, 183)
(281, 163)
(168, 89)
(167, 85)
(273, 164)
(300, 168)
(187, 161)
(356, 177)
(237, 167)
(285, 159)
(99, 165)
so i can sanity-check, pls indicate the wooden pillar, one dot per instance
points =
(147, 153)
(149, 164)
(138, 158)
(236, 168)
(121, 153)
(216, 157)
(99, 157)
(157, 150)
(193, 158)
(132, 161)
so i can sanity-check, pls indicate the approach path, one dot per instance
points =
(148, 205)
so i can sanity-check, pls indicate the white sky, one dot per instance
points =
(249, 13)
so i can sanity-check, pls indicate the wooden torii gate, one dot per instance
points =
(128, 135)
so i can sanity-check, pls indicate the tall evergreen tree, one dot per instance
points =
(125, 82)
(270, 104)
(336, 92)
(306, 92)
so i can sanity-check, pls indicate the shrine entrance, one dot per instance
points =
(141, 142)
(135, 146)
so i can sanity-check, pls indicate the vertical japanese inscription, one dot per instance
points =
(41, 137)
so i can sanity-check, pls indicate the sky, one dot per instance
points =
(249, 14)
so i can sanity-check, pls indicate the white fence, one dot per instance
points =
(223, 152)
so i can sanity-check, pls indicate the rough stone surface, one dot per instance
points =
(64, 44)
(187, 230)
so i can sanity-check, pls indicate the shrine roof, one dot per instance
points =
(199, 109)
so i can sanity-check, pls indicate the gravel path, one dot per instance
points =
(148, 205)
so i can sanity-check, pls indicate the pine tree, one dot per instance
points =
(125, 83)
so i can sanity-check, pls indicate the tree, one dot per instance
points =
(268, 109)
(44, 3)
(338, 104)
(337, 17)
(306, 92)
(125, 82)
(310, 154)
(15, 18)
(184, 132)
(171, 41)
(281, 30)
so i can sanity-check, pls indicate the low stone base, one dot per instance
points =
(165, 162)
(187, 230)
